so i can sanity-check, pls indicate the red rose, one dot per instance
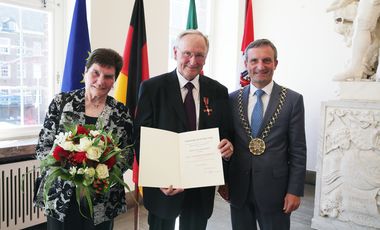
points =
(60, 153)
(111, 162)
(79, 157)
(82, 130)
(109, 141)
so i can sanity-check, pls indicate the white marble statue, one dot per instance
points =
(359, 19)
(351, 167)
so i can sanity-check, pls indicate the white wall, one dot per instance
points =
(110, 22)
(225, 41)
(310, 52)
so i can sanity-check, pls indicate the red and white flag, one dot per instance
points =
(248, 37)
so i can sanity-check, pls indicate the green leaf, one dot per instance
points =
(117, 171)
(90, 126)
(89, 201)
(70, 127)
(117, 179)
(84, 190)
(48, 161)
(52, 175)
(109, 155)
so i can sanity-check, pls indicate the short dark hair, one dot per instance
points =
(260, 43)
(105, 57)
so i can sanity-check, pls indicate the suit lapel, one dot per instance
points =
(174, 96)
(204, 92)
(245, 102)
(245, 98)
(272, 105)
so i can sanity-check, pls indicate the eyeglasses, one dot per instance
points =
(198, 56)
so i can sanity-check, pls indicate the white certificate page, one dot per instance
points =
(183, 160)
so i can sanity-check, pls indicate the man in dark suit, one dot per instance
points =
(166, 102)
(267, 170)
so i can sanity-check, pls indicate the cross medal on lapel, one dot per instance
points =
(207, 110)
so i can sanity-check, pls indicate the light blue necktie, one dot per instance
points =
(257, 113)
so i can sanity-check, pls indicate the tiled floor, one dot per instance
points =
(220, 219)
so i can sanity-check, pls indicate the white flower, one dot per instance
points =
(68, 146)
(102, 171)
(73, 170)
(90, 172)
(80, 171)
(94, 133)
(84, 144)
(60, 138)
(93, 153)
(101, 143)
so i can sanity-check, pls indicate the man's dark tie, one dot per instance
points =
(190, 107)
(257, 113)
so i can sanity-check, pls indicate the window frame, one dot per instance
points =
(56, 9)
(5, 68)
(6, 46)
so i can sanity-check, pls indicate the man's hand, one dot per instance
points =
(226, 149)
(291, 203)
(171, 191)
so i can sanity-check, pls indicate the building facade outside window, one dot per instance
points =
(27, 48)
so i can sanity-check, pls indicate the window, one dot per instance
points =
(4, 71)
(37, 48)
(4, 45)
(27, 33)
(37, 71)
(178, 19)
(21, 70)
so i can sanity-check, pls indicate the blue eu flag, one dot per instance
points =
(77, 50)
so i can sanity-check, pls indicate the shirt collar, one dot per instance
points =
(183, 81)
(267, 89)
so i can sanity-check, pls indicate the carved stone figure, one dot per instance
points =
(350, 185)
(359, 20)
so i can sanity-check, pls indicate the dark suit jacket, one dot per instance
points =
(160, 106)
(281, 169)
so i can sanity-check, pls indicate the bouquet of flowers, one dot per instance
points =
(88, 158)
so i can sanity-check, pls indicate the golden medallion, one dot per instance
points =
(257, 146)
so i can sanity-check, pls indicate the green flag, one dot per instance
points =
(192, 16)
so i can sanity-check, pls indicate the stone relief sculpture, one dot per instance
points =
(358, 22)
(350, 185)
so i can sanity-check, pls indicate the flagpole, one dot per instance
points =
(135, 70)
(136, 209)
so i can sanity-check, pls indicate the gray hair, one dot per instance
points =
(259, 43)
(190, 32)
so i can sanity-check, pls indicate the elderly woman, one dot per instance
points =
(90, 105)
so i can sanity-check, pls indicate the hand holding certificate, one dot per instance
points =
(183, 160)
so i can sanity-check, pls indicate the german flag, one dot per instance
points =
(135, 67)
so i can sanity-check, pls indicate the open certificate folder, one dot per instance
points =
(184, 160)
